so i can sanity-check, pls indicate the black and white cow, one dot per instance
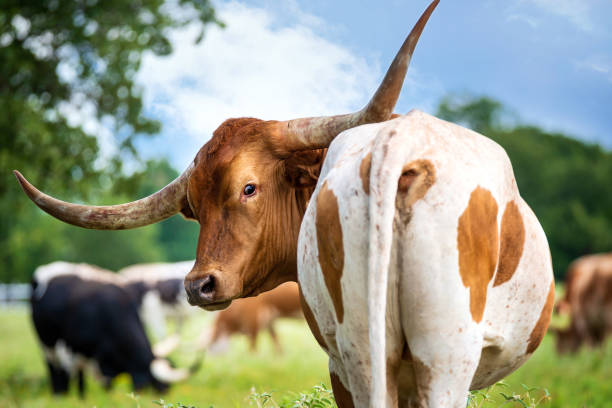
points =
(160, 293)
(86, 319)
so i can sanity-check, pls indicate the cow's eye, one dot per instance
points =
(249, 190)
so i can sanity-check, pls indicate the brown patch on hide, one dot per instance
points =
(312, 323)
(477, 244)
(364, 172)
(331, 248)
(512, 242)
(538, 332)
(343, 397)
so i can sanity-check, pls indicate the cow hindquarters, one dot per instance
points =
(350, 365)
(440, 368)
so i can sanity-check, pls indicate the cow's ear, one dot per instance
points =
(302, 168)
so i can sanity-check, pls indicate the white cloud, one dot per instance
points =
(577, 12)
(532, 22)
(259, 66)
(81, 113)
(599, 64)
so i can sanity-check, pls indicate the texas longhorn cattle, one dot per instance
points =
(158, 290)
(424, 273)
(85, 320)
(251, 315)
(588, 301)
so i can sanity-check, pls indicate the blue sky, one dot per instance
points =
(550, 61)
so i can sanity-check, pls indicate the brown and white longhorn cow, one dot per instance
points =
(424, 273)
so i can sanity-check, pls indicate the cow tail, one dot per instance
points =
(384, 172)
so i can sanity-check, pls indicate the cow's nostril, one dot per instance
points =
(201, 291)
(208, 286)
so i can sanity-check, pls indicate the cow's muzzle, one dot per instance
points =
(201, 291)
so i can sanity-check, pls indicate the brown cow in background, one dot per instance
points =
(588, 301)
(250, 315)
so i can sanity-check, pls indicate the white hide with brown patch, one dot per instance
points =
(450, 324)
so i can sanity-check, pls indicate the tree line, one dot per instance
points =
(66, 75)
(565, 181)
(60, 56)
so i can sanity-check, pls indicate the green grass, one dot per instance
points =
(230, 379)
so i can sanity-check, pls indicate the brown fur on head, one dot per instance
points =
(248, 240)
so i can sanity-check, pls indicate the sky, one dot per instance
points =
(549, 61)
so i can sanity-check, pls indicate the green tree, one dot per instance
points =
(176, 235)
(67, 73)
(565, 181)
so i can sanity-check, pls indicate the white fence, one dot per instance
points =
(14, 293)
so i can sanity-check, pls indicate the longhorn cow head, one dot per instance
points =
(248, 187)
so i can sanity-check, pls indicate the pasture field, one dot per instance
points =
(226, 380)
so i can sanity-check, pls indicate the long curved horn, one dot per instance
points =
(164, 372)
(163, 348)
(318, 132)
(156, 207)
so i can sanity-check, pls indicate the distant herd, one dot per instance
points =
(91, 319)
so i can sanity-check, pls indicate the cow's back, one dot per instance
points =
(284, 300)
(594, 300)
(580, 273)
(254, 313)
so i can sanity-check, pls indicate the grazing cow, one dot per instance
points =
(588, 301)
(250, 315)
(159, 291)
(424, 274)
(85, 319)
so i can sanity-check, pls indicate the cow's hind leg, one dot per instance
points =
(443, 378)
(340, 385)
(351, 375)
(444, 355)
(444, 343)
